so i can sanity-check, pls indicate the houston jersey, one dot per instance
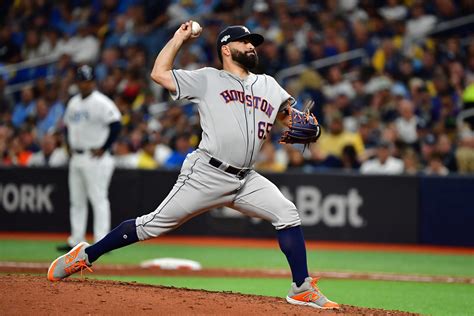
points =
(236, 114)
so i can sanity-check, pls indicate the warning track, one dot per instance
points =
(262, 243)
(100, 269)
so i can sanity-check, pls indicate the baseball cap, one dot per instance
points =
(384, 144)
(85, 73)
(236, 32)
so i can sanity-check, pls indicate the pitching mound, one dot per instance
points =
(34, 295)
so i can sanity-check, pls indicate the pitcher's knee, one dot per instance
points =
(289, 218)
(152, 225)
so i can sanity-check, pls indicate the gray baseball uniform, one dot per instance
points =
(236, 117)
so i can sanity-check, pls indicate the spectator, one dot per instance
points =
(465, 149)
(410, 161)
(123, 155)
(122, 34)
(407, 122)
(50, 154)
(267, 161)
(110, 58)
(83, 47)
(46, 120)
(162, 150)
(146, 154)
(394, 11)
(331, 143)
(446, 151)
(53, 43)
(5, 134)
(296, 159)
(434, 74)
(10, 52)
(182, 148)
(427, 148)
(386, 57)
(445, 114)
(32, 47)
(349, 159)
(369, 130)
(384, 162)
(28, 140)
(6, 102)
(435, 166)
(56, 107)
(25, 108)
(17, 155)
(337, 85)
(420, 23)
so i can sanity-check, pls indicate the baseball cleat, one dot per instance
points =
(74, 261)
(309, 294)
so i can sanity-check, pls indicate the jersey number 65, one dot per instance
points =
(263, 129)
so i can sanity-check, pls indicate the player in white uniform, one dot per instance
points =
(237, 110)
(93, 123)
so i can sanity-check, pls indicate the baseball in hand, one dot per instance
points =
(195, 28)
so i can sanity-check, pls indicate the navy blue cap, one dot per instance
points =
(237, 32)
(384, 144)
(85, 73)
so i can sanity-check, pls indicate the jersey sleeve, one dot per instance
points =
(285, 97)
(110, 112)
(67, 111)
(190, 84)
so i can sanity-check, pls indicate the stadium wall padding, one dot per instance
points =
(447, 209)
(339, 206)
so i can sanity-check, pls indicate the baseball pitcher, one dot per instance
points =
(237, 110)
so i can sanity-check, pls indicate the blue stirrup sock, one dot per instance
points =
(292, 244)
(121, 236)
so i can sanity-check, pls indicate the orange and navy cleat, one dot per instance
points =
(309, 294)
(74, 261)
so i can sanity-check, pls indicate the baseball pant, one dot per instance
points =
(89, 178)
(201, 187)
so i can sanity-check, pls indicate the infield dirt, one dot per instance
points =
(34, 295)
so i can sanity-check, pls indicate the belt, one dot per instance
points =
(78, 151)
(240, 173)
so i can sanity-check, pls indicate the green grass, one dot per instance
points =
(425, 298)
(214, 257)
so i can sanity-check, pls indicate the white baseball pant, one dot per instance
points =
(89, 178)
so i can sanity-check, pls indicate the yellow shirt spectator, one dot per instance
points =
(333, 140)
(145, 161)
(332, 144)
(146, 158)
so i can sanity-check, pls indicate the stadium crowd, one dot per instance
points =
(393, 110)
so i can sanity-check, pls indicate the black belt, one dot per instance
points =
(240, 173)
(78, 151)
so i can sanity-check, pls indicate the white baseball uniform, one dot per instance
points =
(236, 117)
(88, 122)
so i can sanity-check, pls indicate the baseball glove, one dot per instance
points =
(303, 127)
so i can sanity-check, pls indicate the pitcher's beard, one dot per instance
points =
(246, 60)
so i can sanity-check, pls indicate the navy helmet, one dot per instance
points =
(85, 73)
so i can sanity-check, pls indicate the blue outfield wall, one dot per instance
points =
(332, 206)
(447, 210)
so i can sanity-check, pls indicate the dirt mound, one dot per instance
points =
(34, 295)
